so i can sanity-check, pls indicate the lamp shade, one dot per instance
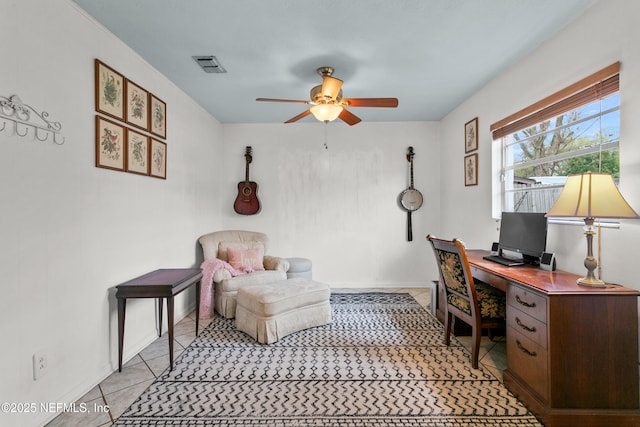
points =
(326, 112)
(591, 195)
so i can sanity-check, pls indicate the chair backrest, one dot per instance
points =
(455, 272)
(211, 242)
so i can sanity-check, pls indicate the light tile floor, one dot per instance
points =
(120, 389)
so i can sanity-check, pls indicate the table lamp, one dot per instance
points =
(591, 195)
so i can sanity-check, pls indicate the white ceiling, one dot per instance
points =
(430, 54)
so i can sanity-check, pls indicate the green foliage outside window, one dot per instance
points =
(610, 163)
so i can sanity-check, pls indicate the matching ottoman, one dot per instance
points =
(299, 267)
(271, 311)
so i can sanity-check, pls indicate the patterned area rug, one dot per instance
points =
(381, 362)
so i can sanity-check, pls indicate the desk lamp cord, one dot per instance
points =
(599, 261)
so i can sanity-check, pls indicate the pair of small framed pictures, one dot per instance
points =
(124, 149)
(133, 147)
(471, 160)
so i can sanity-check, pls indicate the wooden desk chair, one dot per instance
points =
(474, 302)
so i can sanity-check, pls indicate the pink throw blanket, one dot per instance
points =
(209, 267)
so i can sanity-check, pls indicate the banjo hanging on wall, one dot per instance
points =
(410, 199)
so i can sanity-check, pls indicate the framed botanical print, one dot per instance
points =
(137, 105)
(137, 152)
(158, 159)
(157, 116)
(471, 135)
(109, 90)
(471, 169)
(110, 144)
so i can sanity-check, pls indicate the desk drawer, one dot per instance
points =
(528, 326)
(495, 281)
(529, 302)
(528, 360)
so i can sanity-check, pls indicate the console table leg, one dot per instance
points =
(197, 306)
(160, 316)
(122, 305)
(170, 325)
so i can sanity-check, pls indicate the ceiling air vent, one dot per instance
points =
(209, 64)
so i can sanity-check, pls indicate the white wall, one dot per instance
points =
(605, 33)
(70, 231)
(338, 206)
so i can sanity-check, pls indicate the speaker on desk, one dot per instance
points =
(548, 261)
(495, 249)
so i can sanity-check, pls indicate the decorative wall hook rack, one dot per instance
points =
(25, 117)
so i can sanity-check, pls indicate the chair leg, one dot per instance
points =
(448, 320)
(476, 334)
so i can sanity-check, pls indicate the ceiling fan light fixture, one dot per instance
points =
(326, 112)
(328, 104)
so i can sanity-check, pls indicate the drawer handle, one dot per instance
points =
(524, 350)
(526, 304)
(525, 327)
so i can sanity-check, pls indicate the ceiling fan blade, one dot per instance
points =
(331, 87)
(299, 116)
(297, 101)
(349, 118)
(370, 102)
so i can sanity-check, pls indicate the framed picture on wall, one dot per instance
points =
(137, 152)
(110, 144)
(137, 105)
(471, 135)
(109, 90)
(471, 169)
(158, 159)
(157, 117)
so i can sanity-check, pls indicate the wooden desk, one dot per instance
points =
(158, 284)
(572, 351)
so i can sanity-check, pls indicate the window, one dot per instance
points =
(573, 131)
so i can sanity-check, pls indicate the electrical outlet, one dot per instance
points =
(39, 365)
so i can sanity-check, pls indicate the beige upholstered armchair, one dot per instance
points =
(234, 259)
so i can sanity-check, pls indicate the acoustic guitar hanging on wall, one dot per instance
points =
(247, 202)
(410, 199)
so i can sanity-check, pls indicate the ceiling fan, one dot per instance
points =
(327, 103)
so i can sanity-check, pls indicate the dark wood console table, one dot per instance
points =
(572, 351)
(165, 283)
